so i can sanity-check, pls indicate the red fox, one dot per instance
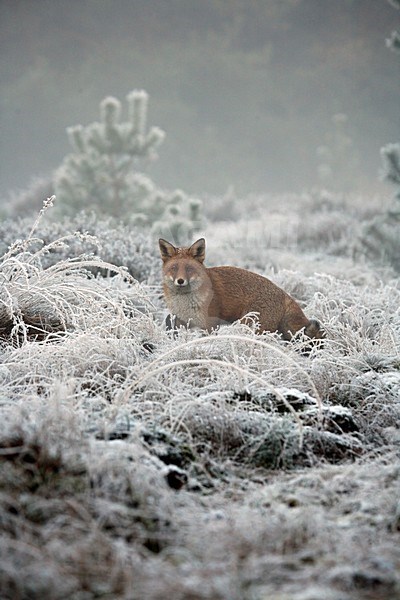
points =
(207, 297)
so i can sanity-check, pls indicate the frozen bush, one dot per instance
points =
(117, 243)
(230, 464)
(381, 235)
(101, 172)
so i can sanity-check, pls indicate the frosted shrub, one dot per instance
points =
(101, 172)
(37, 300)
(381, 236)
(391, 166)
(230, 464)
(393, 42)
(113, 241)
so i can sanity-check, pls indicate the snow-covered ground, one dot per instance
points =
(227, 466)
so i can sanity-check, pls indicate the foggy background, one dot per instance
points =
(246, 90)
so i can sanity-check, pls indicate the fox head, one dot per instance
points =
(183, 267)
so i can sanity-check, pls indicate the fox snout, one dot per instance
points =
(178, 281)
(181, 282)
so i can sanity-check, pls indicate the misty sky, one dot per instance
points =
(251, 93)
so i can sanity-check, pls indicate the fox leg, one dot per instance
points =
(293, 323)
(173, 323)
(314, 330)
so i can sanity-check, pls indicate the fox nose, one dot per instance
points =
(180, 281)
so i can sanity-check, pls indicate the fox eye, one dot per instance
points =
(189, 270)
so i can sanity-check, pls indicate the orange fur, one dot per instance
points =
(207, 297)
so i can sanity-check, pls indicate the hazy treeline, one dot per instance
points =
(247, 91)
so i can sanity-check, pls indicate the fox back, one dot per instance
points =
(207, 297)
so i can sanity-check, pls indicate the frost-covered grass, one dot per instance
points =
(232, 466)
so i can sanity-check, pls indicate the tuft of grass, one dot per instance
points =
(232, 465)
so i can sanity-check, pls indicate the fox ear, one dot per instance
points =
(167, 250)
(198, 250)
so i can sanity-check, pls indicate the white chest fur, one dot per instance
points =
(189, 308)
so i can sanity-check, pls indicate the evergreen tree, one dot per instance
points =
(391, 152)
(391, 170)
(101, 172)
(381, 236)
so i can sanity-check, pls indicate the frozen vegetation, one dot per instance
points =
(228, 466)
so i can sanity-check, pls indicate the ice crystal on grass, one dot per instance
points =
(115, 243)
(232, 464)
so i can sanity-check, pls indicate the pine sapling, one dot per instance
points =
(101, 173)
(381, 235)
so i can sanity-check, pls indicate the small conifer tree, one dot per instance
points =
(381, 236)
(391, 152)
(101, 173)
(391, 170)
